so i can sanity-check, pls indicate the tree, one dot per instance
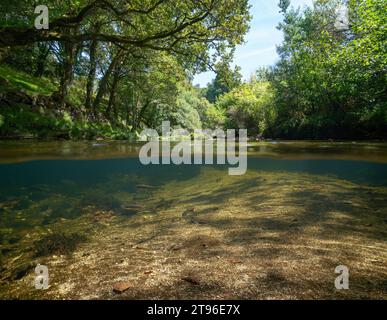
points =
(284, 5)
(226, 79)
(93, 50)
(186, 29)
(189, 28)
(330, 82)
(250, 106)
(143, 87)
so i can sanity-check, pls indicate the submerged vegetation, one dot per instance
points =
(58, 243)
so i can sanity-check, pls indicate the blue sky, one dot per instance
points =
(261, 41)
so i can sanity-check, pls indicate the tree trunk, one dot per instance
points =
(111, 105)
(92, 72)
(44, 50)
(69, 57)
(91, 76)
(135, 115)
(140, 116)
(104, 81)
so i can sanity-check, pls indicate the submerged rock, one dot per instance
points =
(234, 261)
(191, 280)
(121, 287)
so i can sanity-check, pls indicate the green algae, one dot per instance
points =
(57, 243)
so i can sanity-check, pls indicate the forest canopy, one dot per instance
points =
(112, 67)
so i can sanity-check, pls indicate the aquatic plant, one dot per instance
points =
(58, 243)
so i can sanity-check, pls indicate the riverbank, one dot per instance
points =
(30, 110)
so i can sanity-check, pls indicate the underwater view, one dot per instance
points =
(192, 157)
(108, 227)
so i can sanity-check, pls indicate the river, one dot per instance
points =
(95, 216)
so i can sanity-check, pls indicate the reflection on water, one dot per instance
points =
(18, 151)
(69, 186)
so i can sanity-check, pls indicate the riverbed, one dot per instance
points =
(96, 217)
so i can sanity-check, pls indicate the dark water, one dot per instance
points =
(63, 177)
(55, 174)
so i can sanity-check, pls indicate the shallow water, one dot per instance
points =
(51, 188)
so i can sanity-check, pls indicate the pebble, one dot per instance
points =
(191, 280)
(121, 287)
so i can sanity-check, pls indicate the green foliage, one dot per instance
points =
(226, 79)
(199, 26)
(250, 106)
(284, 5)
(186, 113)
(183, 112)
(214, 117)
(13, 80)
(111, 69)
(23, 121)
(117, 69)
(330, 81)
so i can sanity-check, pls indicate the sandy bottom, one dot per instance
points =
(260, 236)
